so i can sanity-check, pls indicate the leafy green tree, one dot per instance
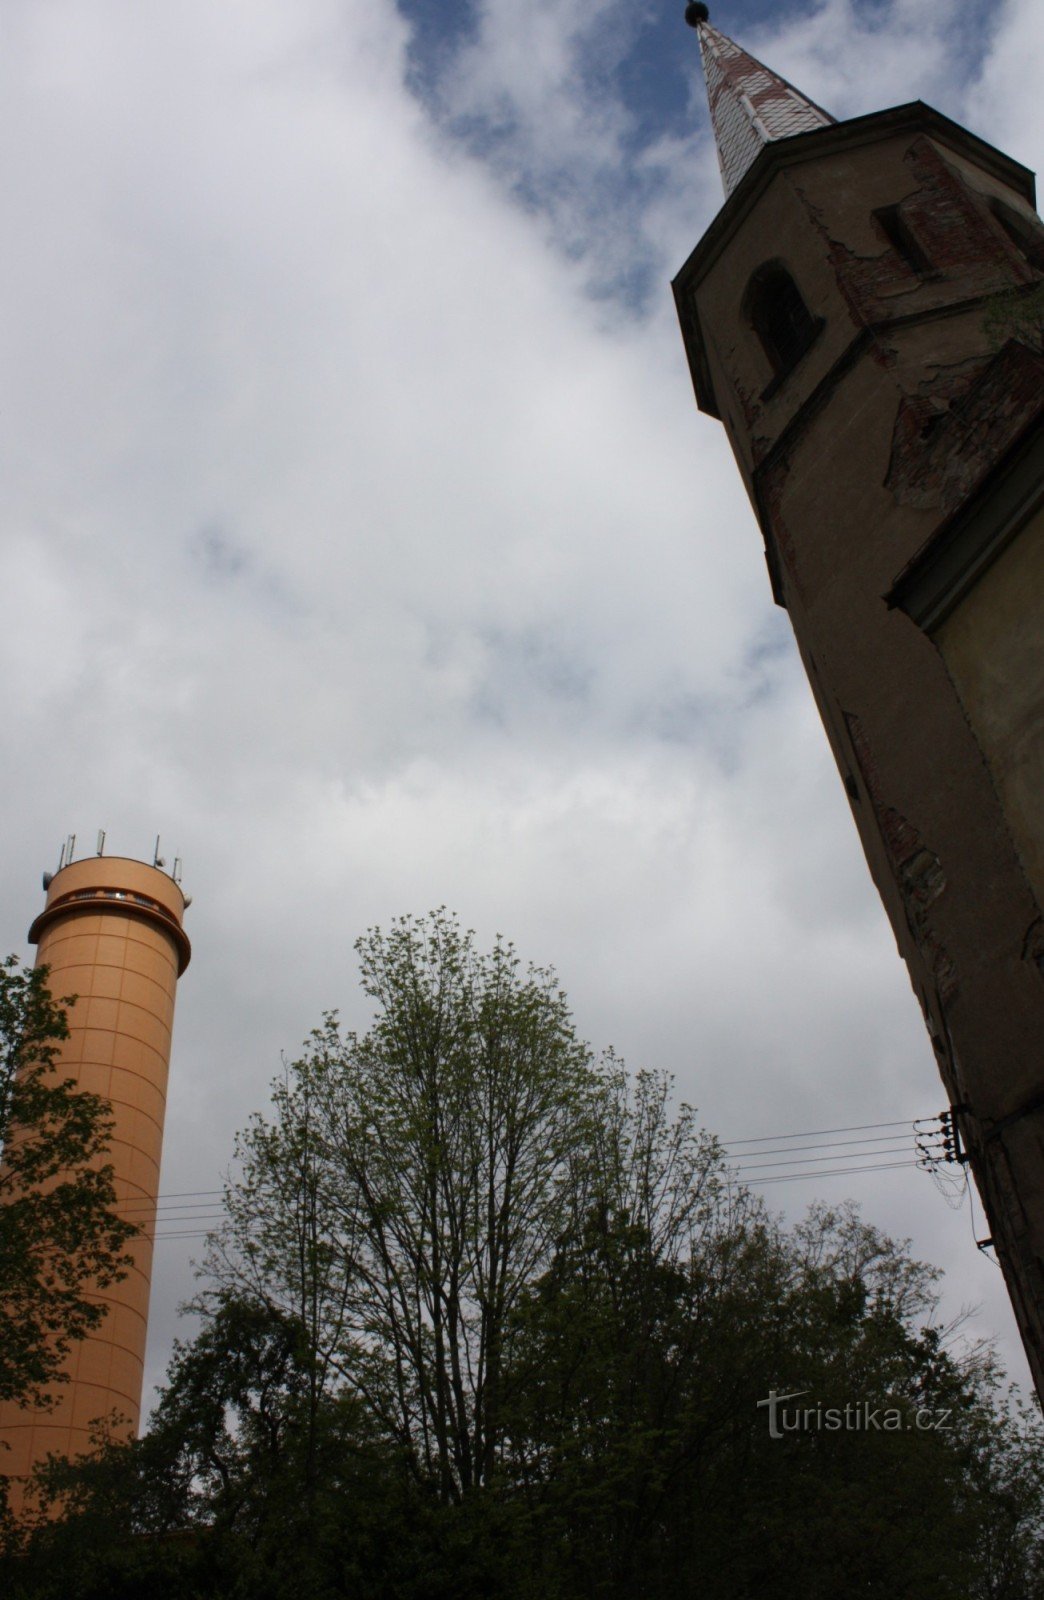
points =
(646, 1460)
(60, 1237)
(436, 1156)
(281, 1249)
(490, 1319)
(604, 1343)
(1017, 314)
(242, 1489)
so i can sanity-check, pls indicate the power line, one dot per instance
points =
(832, 1144)
(839, 1172)
(809, 1161)
(727, 1144)
(821, 1133)
(779, 1177)
(158, 1237)
(188, 1194)
(750, 1162)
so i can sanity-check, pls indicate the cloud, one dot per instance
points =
(362, 539)
(852, 57)
(1005, 99)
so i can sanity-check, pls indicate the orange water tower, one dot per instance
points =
(111, 934)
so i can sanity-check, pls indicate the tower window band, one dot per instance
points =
(902, 238)
(780, 318)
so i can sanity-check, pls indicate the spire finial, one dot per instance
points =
(695, 13)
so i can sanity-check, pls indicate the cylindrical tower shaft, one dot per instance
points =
(111, 935)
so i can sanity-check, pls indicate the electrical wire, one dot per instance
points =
(838, 1144)
(817, 1133)
(838, 1172)
(810, 1161)
(981, 1247)
(200, 1205)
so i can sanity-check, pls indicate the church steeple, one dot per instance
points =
(837, 317)
(749, 105)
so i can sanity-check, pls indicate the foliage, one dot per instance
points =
(59, 1236)
(415, 1181)
(488, 1318)
(1016, 314)
(242, 1489)
(647, 1462)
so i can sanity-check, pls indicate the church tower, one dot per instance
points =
(111, 934)
(864, 316)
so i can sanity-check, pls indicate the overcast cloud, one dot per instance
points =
(362, 539)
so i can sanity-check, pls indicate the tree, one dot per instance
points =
(280, 1249)
(242, 1489)
(646, 1459)
(60, 1238)
(437, 1155)
(488, 1318)
(1016, 314)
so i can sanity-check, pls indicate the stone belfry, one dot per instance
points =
(863, 315)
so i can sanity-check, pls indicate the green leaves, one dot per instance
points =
(59, 1233)
(440, 1151)
(488, 1317)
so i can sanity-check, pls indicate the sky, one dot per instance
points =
(361, 538)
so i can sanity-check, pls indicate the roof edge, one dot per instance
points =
(915, 115)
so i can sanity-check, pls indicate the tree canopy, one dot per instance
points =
(488, 1316)
(430, 1168)
(59, 1234)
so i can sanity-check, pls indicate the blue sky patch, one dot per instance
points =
(630, 82)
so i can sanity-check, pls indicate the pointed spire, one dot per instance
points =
(750, 106)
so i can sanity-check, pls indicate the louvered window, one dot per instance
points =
(780, 318)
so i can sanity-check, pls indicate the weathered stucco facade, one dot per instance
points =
(836, 318)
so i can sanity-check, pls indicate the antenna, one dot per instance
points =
(70, 846)
(176, 873)
(101, 842)
(157, 859)
(61, 858)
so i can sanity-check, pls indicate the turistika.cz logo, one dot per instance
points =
(859, 1416)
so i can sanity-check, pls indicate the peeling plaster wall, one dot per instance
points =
(897, 412)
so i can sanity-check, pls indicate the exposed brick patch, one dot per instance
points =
(944, 442)
(950, 225)
(917, 424)
(749, 405)
(941, 965)
(771, 484)
(918, 871)
(947, 217)
(870, 284)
